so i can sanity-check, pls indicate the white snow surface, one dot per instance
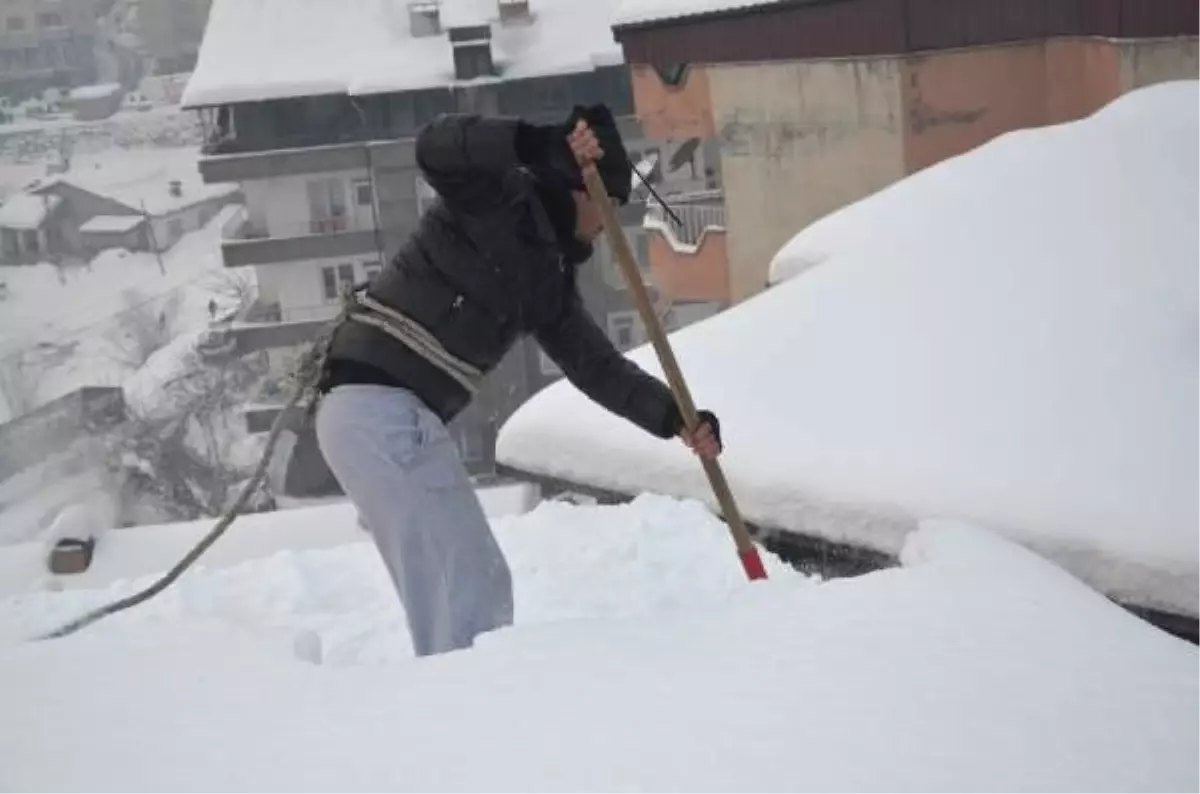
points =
(1009, 337)
(144, 550)
(140, 178)
(59, 324)
(376, 52)
(26, 211)
(635, 12)
(95, 91)
(112, 223)
(641, 660)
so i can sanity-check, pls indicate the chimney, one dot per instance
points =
(424, 18)
(514, 12)
(175, 188)
(472, 46)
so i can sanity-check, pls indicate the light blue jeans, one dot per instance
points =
(398, 464)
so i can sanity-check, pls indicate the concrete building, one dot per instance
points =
(317, 120)
(44, 44)
(810, 106)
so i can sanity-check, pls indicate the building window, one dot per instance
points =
(362, 194)
(16, 23)
(622, 329)
(334, 278)
(49, 19)
(371, 269)
(327, 205)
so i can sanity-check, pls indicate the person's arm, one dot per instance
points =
(464, 156)
(589, 361)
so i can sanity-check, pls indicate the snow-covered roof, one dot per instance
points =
(642, 12)
(364, 47)
(974, 666)
(26, 210)
(112, 223)
(142, 178)
(1003, 337)
(95, 91)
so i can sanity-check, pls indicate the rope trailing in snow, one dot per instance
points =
(307, 373)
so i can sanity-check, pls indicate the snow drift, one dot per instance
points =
(642, 660)
(1007, 337)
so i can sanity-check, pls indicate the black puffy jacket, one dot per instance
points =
(486, 265)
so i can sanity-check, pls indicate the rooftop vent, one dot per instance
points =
(472, 45)
(514, 12)
(424, 18)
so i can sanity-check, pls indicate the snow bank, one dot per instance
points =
(145, 550)
(671, 673)
(1008, 337)
(656, 555)
(376, 52)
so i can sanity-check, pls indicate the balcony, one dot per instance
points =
(689, 258)
(244, 242)
(232, 159)
(699, 213)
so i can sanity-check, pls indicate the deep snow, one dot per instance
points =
(141, 551)
(1008, 337)
(642, 660)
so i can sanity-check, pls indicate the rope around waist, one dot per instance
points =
(409, 333)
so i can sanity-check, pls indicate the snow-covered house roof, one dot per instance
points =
(644, 12)
(27, 210)
(256, 50)
(112, 224)
(97, 91)
(141, 180)
(1004, 337)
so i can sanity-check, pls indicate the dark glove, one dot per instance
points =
(544, 149)
(615, 170)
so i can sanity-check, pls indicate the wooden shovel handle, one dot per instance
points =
(662, 347)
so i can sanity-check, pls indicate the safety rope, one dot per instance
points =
(306, 375)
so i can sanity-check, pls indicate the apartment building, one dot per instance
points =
(810, 106)
(316, 122)
(45, 44)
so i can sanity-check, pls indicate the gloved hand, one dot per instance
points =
(544, 149)
(706, 441)
(613, 166)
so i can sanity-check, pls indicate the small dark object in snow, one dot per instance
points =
(72, 555)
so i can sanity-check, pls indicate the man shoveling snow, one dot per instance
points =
(492, 260)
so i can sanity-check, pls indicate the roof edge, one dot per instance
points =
(686, 18)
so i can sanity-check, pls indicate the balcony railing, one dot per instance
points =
(300, 314)
(698, 213)
(241, 227)
(216, 142)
